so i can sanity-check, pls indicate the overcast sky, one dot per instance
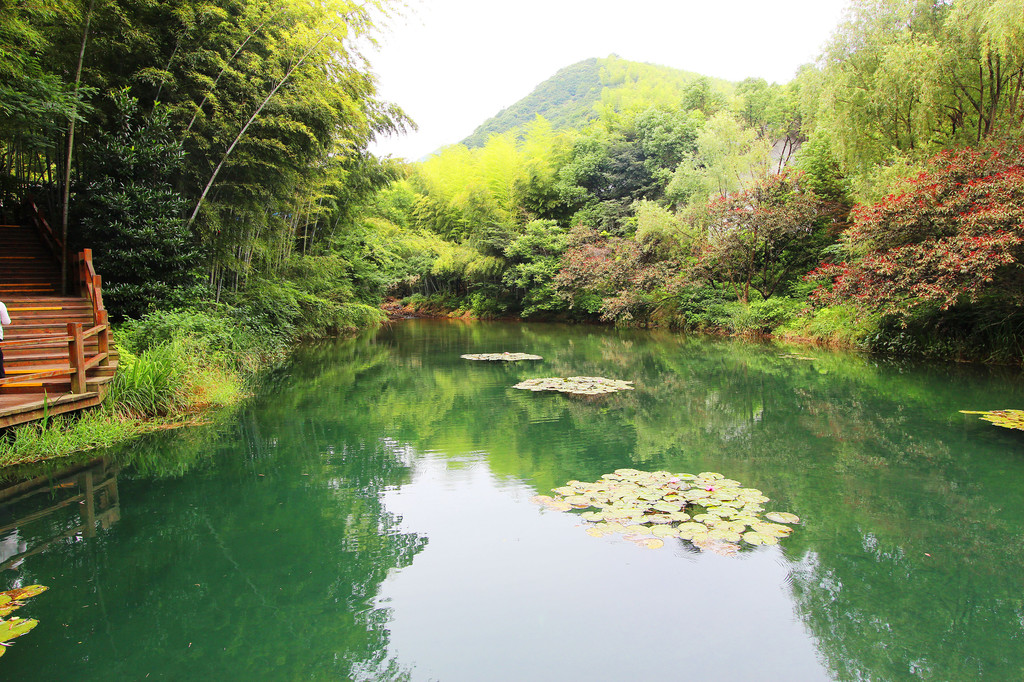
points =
(452, 64)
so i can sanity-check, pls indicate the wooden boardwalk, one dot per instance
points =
(57, 351)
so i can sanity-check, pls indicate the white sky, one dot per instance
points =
(452, 64)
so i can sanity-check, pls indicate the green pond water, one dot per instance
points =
(368, 517)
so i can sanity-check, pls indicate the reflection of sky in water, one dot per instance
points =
(505, 590)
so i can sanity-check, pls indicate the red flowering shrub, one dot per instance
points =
(760, 238)
(956, 234)
(613, 276)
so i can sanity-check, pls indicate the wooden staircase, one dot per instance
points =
(57, 353)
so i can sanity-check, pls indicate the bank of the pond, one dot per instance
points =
(177, 368)
(163, 389)
(945, 336)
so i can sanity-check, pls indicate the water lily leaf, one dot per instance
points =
(577, 385)
(699, 538)
(1008, 419)
(773, 529)
(641, 504)
(15, 627)
(732, 526)
(505, 357)
(782, 517)
(723, 534)
(690, 529)
(721, 512)
(755, 538)
(23, 593)
(654, 543)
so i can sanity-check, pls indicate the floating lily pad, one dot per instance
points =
(12, 600)
(708, 510)
(501, 357)
(576, 385)
(755, 538)
(1008, 419)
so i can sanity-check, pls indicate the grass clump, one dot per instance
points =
(172, 365)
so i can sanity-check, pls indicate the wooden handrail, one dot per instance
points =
(24, 378)
(95, 360)
(53, 242)
(93, 331)
(42, 339)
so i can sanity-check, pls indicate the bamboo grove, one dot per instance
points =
(199, 147)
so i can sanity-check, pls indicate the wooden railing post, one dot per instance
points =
(83, 270)
(104, 338)
(76, 357)
(97, 292)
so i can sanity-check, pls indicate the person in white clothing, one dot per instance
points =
(4, 319)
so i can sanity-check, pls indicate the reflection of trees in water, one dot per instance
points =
(269, 563)
(864, 451)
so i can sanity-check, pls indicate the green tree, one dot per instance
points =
(132, 213)
(760, 238)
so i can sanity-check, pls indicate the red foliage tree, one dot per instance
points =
(760, 238)
(955, 234)
(613, 276)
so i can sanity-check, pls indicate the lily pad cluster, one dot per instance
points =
(576, 385)
(708, 510)
(497, 357)
(10, 601)
(1008, 419)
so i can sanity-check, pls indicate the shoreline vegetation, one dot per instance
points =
(177, 368)
(189, 368)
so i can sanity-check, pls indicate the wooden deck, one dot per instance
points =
(57, 352)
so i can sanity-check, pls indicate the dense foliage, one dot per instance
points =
(221, 153)
(219, 145)
(874, 200)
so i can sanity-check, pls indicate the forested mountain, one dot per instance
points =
(570, 98)
(874, 200)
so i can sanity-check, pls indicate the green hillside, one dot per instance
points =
(578, 93)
